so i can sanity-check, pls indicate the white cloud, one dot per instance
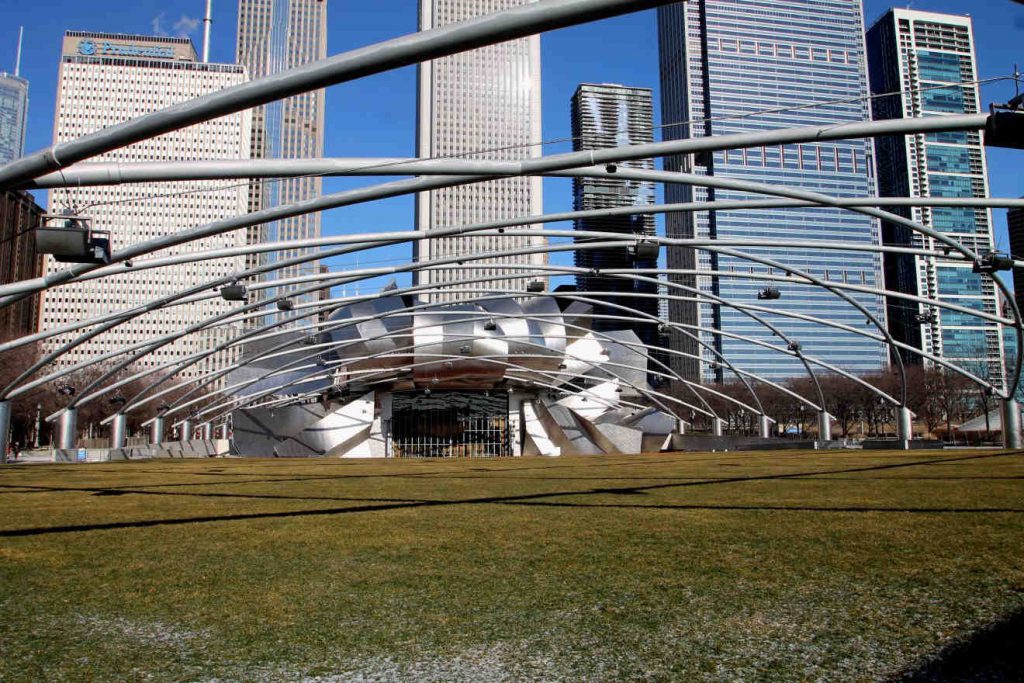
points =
(182, 28)
(186, 26)
(158, 25)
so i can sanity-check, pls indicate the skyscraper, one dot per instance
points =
(482, 104)
(273, 36)
(1015, 226)
(13, 111)
(13, 116)
(739, 66)
(925, 57)
(19, 260)
(609, 115)
(108, 78)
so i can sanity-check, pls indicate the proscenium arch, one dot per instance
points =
(396, 312)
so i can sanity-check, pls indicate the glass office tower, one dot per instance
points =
(737, 66)
(925, 57)
(1015, 227)
(13, 116)
(609, 115)
(274, 36)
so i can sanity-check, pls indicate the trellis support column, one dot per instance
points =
(904, 426)
(119, 431)
(717, 426)
(5, 428)
(207, 431)
(185, 431)
(824, 426)
(764, 424)
(67, 428)
(1011, 424)
(156, 431)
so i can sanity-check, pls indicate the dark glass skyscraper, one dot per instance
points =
(1015, 226)
(608, 115)
(739, 66)
(924, 57)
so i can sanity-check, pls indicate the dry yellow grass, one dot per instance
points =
(728, 566)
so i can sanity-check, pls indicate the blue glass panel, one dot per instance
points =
(958, 282)
(938, 66)
(950, 186)
(949, 159)
(949, 137)
(949, 100)
(956, 318)
(964, 343)
(951, 219)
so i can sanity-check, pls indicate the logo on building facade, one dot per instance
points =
(91, 47)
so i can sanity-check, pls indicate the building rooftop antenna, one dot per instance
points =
(207, 22)
(17, 60)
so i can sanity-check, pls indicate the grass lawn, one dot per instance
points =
(728, 566)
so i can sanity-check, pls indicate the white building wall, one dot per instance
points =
(482, 104)
(93, 93)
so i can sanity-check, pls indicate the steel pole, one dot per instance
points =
(156, 430)
(207, 431)
(904, 426)
(185, 431)
(1011, 424)
(518, 22)
(717, 426)
(824, 426)
(5, 428)
(68, 428)
(119, 431)
(764, 424)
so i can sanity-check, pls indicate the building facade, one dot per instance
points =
(13, 116)
(610, 115)
(481, 104)
(106, 79)
(273, 36)
(740, 66)
(926, 57)
(19, 260)
(1015, 226)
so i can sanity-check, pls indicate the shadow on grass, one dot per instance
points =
(393, 504)
(990, 655)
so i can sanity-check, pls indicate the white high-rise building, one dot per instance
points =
(106, 79)
(482, 104)
(928, 59)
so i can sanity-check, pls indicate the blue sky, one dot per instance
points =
(376, 116)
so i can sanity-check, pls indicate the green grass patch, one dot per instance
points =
(727, 566)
